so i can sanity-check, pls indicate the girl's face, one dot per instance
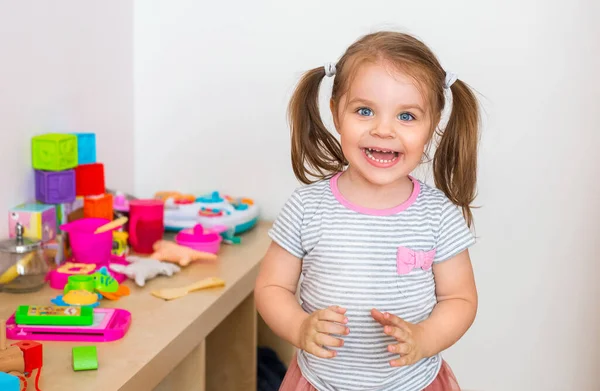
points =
(383, 123)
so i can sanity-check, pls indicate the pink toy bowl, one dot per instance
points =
(199, 239)
(88, 247)
(58, 280)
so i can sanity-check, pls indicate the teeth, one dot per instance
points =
(368, 152)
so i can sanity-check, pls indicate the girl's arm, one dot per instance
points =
(450, 319)
(275, 293)
(456, 308)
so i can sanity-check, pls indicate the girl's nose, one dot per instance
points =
(383, 130)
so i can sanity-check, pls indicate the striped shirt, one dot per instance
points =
(350, 258)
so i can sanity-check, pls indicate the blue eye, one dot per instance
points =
(365, 111)
(406, 117)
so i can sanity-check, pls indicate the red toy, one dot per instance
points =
(33, 356)
(21, 358)
(89, 179)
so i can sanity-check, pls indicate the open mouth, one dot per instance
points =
(384, 156)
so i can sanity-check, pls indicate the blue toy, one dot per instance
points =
(86, 148)
(9, 382)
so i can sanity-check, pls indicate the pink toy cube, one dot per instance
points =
(38, 221)
(55, 187)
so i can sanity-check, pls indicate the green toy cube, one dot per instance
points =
(54, 152)
(85, 358)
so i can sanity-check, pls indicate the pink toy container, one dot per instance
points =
(58, 280)
(88, 247)
(200, 239)
(146, 224)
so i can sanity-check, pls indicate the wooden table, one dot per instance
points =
(204, 341)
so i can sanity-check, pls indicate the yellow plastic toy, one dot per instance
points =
(11, 273)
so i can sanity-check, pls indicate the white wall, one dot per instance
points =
(65, 66)
(212, 82)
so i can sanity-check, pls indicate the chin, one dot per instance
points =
(381, 177)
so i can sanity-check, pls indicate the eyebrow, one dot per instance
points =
(370, 103)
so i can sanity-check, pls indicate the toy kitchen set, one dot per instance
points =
(85, 242)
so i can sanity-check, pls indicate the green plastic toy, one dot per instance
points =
(85, 358)
(54, 152)
(53, 315)
(96, 282)
(104, 283)
(80, 283)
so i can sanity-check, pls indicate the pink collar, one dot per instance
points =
(375, 212)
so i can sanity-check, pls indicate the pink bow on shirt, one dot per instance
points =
(407, 259)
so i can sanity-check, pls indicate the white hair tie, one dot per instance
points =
(329, 69)
(450, 79)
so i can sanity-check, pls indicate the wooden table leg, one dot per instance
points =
(189, 375)
(231, 351)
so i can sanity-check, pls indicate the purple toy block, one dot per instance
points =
(55, 187)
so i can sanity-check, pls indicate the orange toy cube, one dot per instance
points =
(98, 206)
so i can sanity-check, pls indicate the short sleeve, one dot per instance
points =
(287, 228)
(454, 235)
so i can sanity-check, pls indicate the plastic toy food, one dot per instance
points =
(172, 252)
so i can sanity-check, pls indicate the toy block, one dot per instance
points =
(9, 382)
(89, 179)
(86, 148)
(32, 354)
(55, 187)
(85, 358)
(62, 212)
(99, 206)
(54, 152)
(38, 221)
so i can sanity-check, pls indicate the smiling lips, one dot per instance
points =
(382, 158)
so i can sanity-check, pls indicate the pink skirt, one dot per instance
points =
(294, 381)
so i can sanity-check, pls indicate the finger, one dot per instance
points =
(331, 328)
(327, 340)
(395, 320)
(385, 318)
(332, 316)
(400, 348)
(320, 352)
(397, 333)
(402, 361)
(337, 308)
(377, 315)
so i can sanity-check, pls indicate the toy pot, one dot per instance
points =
(86, 246)
(208, 240)
(80, 283)
(146, 224)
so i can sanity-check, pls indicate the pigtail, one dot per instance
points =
(455, 159)
(315, 151)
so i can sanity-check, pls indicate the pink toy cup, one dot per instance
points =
(146, 224)
(86, 246)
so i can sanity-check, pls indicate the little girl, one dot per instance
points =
(387, 282)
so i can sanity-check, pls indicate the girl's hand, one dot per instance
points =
(316, 329)
(408, 335)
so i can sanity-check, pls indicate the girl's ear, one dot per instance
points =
(334, 115)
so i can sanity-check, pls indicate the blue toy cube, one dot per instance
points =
(86, 147)
(9, 382)
(55, 187)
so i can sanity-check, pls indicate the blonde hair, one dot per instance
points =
(317, 153)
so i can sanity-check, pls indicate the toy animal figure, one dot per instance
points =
(142, 269)
(172, 252)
